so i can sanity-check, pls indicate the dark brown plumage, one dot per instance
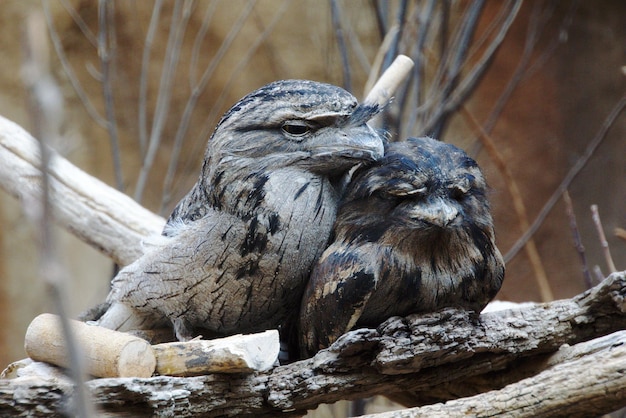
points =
(237, 250)
(413, 234)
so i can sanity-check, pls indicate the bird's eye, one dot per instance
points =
(420, 191)
(295, 128)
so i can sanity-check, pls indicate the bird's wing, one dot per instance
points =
(189, 272)
(336, 295)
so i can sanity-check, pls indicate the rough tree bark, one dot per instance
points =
(518, 355)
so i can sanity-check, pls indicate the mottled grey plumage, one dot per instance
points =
(240, 245)
(413, 234)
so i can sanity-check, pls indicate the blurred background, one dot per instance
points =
(526, 89)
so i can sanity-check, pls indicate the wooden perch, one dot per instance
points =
(109, 353)
(234, 354)
(389, 81)
(96, 213)
(420, 354)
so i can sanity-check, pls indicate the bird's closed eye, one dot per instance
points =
(407, 191)
(295, 128)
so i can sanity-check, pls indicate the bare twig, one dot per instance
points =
(46, 104)
(143, 78)
(532, 37)
(58, 47)
(198, 42)
(106, 49)
(197, 87)
(595, 215)
(209, 121)
(620, 232)
(580, 248)
(377, 64)
(567, 180)
(341, 43)
(80, 22)
(538, 22)
(555, 42)
(395, 44)
(424, 19)
(454, 59)
(465, 87)
(180, 17)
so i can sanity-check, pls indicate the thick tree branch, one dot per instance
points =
(580, 381)
(420, 355)
(94, 212)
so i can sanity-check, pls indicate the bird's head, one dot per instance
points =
(295, 123)
(420, 184)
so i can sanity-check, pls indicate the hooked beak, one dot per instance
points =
(339, 151)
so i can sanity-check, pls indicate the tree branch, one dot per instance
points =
(94, 212)
(598, 386)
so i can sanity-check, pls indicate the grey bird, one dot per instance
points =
(413, 234)
(237, 250)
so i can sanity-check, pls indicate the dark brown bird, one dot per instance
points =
(239, 247)
(413, 234)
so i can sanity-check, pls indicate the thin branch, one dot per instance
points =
(567, 180)
(469, 82)
(197, 90)
(180, 17)
(425, 18)
(381, 18)
(143, 78)
(197, 44)
(595, 215)
(105, 52)
(598, 272)
(46, 108)
(58, 47)
(80, 22)
(393, 50)
(377, 64)
(532, 37)
(218, 103)
(524, 67)
(335, 14)
(580, 248)
(556, 41)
